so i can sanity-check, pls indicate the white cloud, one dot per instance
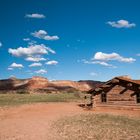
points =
(32, 42)
(55, 37)
(30, 50)
(15, 65)
(121, 24)
(0, 44)
(39, 34)
(35, 65)
(103, 63)
(10, 68)
(112, 56)
(26, 39)
(103, 58)
(42, 34)
(50, 50)
(98, 62)
(53, 62)
(35, 59)
(36, 15)
(93, 74)
(41, 71)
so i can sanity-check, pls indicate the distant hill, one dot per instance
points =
(43, 85)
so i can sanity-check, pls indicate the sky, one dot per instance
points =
(70, 39)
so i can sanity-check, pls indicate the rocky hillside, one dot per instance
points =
(43, 85)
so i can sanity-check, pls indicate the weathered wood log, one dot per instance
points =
(104, 86)
(98, 89)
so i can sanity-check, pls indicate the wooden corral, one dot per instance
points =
(120, 92)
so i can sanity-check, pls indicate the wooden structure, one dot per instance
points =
(120, 92)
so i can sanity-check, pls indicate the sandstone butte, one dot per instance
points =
(41, 83)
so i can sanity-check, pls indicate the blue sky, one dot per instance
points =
(70, 39)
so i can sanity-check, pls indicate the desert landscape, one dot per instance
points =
(69, 70)
(28, 113)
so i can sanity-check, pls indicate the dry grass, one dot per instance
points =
(19, 99)
(98, 127)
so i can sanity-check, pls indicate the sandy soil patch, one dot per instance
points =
(33, 122)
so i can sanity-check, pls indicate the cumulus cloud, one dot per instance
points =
(0, 44)
(55, 37)
(39, 34)
(30, 50)
(35, 65)
(36, 15)
(42, 34)
(112, 56)
(53, 62)
(103, 58)
(121, 24)
(41, 71)
(35, 58)
(15, 65)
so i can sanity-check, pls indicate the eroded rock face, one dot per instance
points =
(76, 85)
(37, 82)
(43, 84)
(89, 84)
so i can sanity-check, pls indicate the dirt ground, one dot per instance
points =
(33, 122)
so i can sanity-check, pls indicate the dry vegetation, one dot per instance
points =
(19, 99)
(98, 127)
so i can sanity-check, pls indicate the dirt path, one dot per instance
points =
(32, 122)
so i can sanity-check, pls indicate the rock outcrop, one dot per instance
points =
(43, 85)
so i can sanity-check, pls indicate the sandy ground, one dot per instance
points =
(34, 122)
